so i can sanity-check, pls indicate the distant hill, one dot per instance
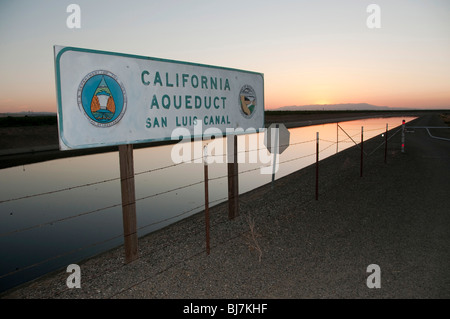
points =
(338, 107)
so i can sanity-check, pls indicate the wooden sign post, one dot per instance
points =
(233, 178)
(128, 202)
(205, 169)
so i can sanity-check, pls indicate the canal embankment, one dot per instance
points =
(287, 244)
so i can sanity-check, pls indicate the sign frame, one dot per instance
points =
(65, 126)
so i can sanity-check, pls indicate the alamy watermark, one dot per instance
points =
(187, 152)
(74, 280)
(374, 19)
(73, 21)
(374, 279)
(182, 152)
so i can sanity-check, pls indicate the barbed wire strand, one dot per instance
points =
(145, 197)
(136, 174)
(153, 195)
(94, 211)
(384, 142)
(102, 241)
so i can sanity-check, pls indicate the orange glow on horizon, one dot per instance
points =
(323, 102)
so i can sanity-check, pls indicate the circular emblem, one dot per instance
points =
(247, 101)
(102, 98)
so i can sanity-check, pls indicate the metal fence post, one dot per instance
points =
(317, 165)
(337, 137)
(275, 151)
(362, 151)
(385, 144)
(403, 136)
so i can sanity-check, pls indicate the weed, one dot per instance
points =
(252, 236)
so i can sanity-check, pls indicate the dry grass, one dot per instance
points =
(252, 235)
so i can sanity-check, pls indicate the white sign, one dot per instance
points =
(277, 138)
(107, 98)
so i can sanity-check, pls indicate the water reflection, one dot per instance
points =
(42, 233)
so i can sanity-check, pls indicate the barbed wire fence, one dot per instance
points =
(349, 139)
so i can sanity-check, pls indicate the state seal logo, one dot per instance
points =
(102, 98)
(247, 101)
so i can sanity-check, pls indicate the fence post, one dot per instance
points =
(362, 151)
(128, 202)
(233, 177)
(337, 137)
(403, 136)
(317, 165)
(275, 151)
(205, 165)
(385, 144)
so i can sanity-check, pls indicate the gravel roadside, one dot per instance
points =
(285, 244)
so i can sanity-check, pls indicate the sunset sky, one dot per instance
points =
(310, 52)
